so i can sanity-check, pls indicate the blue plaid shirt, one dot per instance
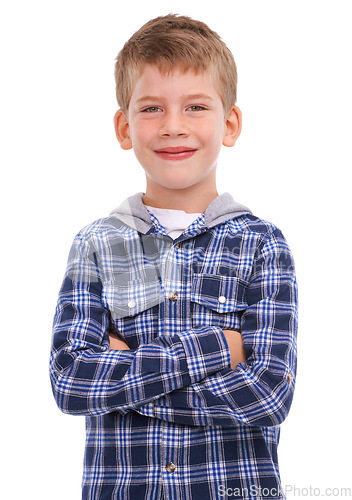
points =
(169, 419)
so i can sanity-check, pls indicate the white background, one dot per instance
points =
(62, 168)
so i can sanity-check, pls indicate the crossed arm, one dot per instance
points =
(195, 404)
(233, 337)
(198, 377)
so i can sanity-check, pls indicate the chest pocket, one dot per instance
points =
(131, 298)
(218, 300)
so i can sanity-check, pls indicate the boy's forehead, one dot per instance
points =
(174, 70)
(151, 75)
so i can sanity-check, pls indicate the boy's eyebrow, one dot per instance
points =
(188, 96)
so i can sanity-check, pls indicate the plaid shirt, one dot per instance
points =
(169, 419)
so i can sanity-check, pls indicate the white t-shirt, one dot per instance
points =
(174, 221)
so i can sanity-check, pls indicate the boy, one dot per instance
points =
(175, 328)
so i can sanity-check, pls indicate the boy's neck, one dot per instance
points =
(189, 200)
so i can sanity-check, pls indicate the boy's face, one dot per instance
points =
(176, 126)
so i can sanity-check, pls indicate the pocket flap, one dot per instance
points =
(223, 294)
(132, 298)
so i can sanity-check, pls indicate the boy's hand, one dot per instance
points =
(117, 344)
(235, 343)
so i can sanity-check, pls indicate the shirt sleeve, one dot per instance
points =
(258, 392)
(89, 379)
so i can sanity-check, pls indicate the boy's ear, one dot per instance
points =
(233, 126)
(122, 130)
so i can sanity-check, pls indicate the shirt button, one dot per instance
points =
(289, 378)
(222, 299)
(173, 296)
(131, 304)
(178, 245)
(170, 467)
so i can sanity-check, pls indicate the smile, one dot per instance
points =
(175, 153)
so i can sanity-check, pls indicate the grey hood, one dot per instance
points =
(134, 213)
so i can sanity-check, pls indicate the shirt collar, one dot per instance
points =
(134, 213)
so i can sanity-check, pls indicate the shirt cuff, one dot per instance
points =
(206, 350)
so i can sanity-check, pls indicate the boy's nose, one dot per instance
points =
(173, 125)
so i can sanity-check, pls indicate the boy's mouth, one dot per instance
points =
(175, 153)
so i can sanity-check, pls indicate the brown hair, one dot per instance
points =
(171, 42)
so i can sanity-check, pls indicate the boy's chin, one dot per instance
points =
(177, 182)
(176, 185)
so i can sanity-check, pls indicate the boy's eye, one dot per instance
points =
(151, 109)
(196, 108)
